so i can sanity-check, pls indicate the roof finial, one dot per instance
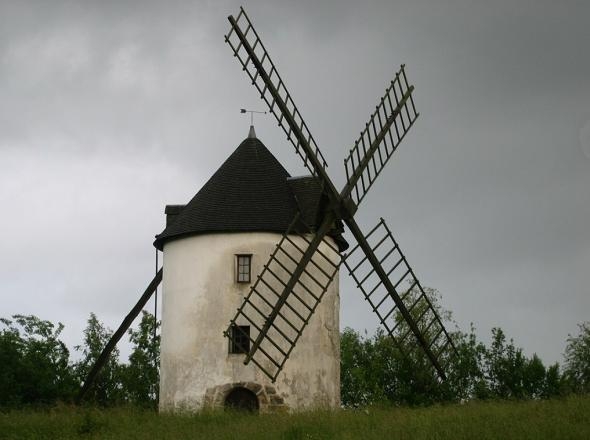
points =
(251, 133)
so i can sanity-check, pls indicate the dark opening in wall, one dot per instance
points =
(242, 399)
(240, 339)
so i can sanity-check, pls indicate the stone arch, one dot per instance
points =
(266, 395)
(241, 399)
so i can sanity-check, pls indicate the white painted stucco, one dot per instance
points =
(200, 296)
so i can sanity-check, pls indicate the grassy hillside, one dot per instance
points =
(554, 419)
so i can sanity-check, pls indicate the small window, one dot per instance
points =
(244, 268)
(240, 339)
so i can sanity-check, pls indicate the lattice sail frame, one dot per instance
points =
(406, 286)
(275, 345)
(257, 64)
(376, 144)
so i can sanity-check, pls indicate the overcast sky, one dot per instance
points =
(111, 110)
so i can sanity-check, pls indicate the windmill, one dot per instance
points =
(281, 302)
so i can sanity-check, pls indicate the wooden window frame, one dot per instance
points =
(239, 342)
(243, 276)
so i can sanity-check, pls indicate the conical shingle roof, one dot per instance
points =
(251, 191)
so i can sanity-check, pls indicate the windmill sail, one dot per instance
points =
(255, 61)
(387, 126)
(404, 292)
(284, 297)
(394, 116)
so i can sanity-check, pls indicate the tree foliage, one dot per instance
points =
(375, 370)
(107, 387)
(141, 377)
(34, 362)
(577, 359)
(35, 365)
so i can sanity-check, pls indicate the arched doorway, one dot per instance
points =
(241, 399)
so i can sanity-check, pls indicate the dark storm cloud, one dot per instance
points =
(110, 110)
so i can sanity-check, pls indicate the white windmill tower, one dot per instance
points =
(256, 240)
(213, 248)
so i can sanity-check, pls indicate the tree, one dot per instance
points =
(504, 367)
(577, 359)
(377, 369)
(511, 375)
(534, 378)
(554, 382)
(353, 383)
(466, 376)
(11, 348)
(416, 380)
(35, 362)
(141, 376)
(107, 388)
(35, 366)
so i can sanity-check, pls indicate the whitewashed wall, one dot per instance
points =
(200, 296)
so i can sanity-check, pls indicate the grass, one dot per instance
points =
(567, 418)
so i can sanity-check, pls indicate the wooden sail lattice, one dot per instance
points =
(387, 126)
(393, 117)
(276, 338)
(256, 62)
(407, 288)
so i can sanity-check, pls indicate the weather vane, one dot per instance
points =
(243, 110)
